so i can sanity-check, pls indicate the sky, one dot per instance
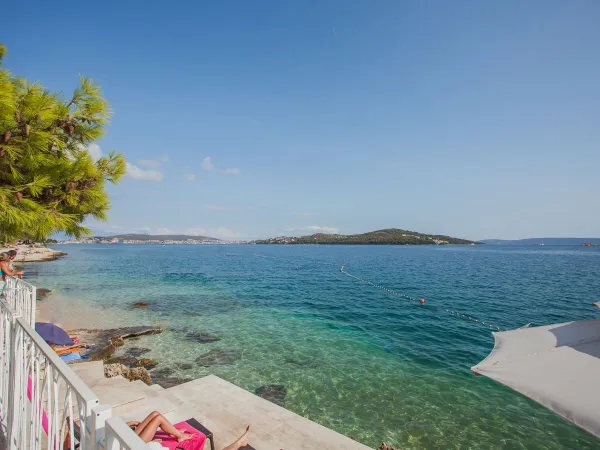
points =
(243, 119)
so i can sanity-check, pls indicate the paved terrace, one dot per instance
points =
(222, 407)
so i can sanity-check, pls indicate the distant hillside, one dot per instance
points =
(391, 236)
(160, 237)
(540, 241)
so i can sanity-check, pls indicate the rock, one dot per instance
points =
(307, 363)
(386, 447)
(114, 370)
(136, 352)
(146, 363)
(201, 337)
(105, 342)
(171, 381)
(141, 304)
(219, 357)
(163, 372)
(275, 393)
(183, 366)
(42, 293)
(139, 373)
(127, 361)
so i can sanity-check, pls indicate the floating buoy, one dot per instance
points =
(422, 301)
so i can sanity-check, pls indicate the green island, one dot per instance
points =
(389, 236)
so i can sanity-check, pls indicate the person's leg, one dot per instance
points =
(242, 441)
(147, 432)
(146, 421)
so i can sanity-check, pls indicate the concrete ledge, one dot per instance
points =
(231, 408)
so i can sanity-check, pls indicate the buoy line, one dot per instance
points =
(421, 301)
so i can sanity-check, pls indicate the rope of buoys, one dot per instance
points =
(421, 301)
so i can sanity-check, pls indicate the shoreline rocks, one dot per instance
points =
(106, 342)
(35, 253)
(132, 374)
(41, 293)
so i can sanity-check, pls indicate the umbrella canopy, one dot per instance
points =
(555, 365)
(53, 334)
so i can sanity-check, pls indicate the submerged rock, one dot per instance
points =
(136, 352)
(183, 366)
(141, 304)
(202, 337)
(219, 357)
(303, 363)
(275, 393)
(169, 382)
(163, 372)
(42, 293)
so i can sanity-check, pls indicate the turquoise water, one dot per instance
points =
(353, 358)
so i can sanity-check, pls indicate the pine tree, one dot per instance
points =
(49, 182)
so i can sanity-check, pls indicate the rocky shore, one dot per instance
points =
(104, 343)
(34, 253)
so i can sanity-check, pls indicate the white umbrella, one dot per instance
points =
(555, 365)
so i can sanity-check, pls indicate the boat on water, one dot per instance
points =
(588, 244)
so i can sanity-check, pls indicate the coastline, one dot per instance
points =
(34, 253)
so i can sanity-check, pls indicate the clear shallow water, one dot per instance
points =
(353, 358)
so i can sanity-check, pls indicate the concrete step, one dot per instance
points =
(89, 371)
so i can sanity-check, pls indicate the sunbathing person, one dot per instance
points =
(147, 428)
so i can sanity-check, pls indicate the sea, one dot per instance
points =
(366, 361)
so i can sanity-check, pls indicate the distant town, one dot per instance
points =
(152, 240)
(390, 236)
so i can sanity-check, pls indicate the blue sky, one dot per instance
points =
(259, 118)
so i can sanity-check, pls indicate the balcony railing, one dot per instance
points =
(44, 405)
(21, 297)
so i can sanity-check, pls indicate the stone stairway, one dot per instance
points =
(220, 406)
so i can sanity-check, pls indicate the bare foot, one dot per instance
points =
(184, 437)
(242, 441)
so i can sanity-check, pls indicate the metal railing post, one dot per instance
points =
(100, 414)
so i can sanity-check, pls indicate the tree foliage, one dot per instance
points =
(49, 182)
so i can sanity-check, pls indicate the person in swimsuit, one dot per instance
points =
(6, 267)
(147, 428)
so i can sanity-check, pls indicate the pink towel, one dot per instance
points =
(195, 443)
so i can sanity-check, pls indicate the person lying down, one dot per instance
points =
(147, 428)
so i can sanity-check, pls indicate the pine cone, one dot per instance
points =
(2, 152)
(71, 130)
(27, 130)
(6, 136)
(19, 196)
(18, 116)
(70, 186)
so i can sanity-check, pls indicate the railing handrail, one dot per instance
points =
(29, 407)
(13, 289)
(70, 377)
(117, 432)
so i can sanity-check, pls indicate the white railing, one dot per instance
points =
(44, 405)
(120, 437)
(21, 297)
(49, 398)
